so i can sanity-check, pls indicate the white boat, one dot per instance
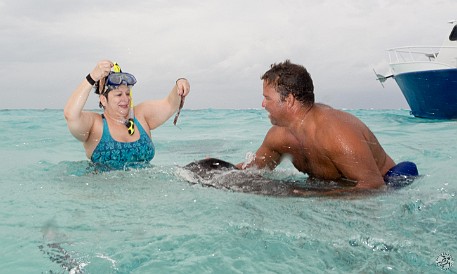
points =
(427, 77)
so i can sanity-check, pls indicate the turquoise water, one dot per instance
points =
(56, 217)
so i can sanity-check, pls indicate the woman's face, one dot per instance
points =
(118, 100)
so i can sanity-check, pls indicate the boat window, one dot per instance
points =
(453, 35)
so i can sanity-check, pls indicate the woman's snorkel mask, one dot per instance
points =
(114, 79)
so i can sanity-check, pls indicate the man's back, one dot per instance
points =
(331, 144)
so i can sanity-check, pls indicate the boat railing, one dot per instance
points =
(420, 54)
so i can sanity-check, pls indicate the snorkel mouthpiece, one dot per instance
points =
(116, 67)
(130, 126)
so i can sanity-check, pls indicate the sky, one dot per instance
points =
(222, 47)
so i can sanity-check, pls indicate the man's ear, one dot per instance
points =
(290, 100)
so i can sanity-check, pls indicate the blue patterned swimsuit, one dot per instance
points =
(112, 154)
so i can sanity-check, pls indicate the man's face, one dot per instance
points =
(273, 104)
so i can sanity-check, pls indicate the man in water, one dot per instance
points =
(325, 143)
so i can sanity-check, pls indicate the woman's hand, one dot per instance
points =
(101, 70)
(183, 87)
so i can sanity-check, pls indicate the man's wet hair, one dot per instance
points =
(289, 78)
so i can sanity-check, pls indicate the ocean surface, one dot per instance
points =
(58, 217)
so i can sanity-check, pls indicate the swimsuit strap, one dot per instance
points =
(106, 135)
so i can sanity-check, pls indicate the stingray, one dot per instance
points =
(213, 172)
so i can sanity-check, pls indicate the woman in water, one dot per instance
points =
(120, 137)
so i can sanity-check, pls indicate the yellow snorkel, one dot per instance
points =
(129, 123)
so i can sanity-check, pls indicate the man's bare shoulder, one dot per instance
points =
(279, 137)
(338, 130)
(277, 132)
(336, 119)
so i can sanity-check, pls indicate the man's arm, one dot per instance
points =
(354, 159)
(267, 156)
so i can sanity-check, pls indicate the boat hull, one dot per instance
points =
(430, 94)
